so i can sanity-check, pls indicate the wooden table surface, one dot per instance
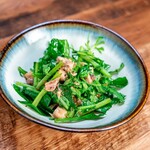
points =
(130, 18)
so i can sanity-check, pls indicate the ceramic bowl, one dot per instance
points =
(28, 46)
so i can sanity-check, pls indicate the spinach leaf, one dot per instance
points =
(119, 82)
(30, 105)
(57, 48)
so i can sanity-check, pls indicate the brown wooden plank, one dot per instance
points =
(22, 18)
(4, 41)
(9, 10)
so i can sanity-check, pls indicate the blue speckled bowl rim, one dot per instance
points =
(93, 25)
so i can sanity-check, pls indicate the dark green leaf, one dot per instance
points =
(22, 72)
(19, 90)
(30, 105)
(68, 94)
(120, 82)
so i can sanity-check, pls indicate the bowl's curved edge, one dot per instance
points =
(132, 115)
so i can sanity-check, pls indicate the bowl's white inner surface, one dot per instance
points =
(30, 48)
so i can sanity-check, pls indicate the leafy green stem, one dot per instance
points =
(24, 85)
(36, 65)
(57, 67)
(39, 97)
(90, 116)
(95, 64)
(82, 109)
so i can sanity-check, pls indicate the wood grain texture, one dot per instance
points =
(129, 18)
(51, 11)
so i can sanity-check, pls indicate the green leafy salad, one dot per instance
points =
(70, 85)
